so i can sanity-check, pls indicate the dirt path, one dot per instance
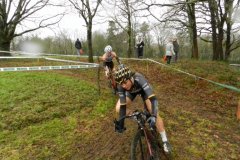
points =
(199, 119)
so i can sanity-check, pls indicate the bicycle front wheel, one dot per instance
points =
(144, 148)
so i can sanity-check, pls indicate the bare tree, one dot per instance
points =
(221, 27)
(87, 12)
(123, 15)
(192, 25)
(179, 15)
(19, 13)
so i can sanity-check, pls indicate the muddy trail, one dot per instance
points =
(199, 119)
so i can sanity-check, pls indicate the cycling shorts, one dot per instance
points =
(110, 65)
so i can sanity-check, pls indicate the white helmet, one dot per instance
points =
(108, 49)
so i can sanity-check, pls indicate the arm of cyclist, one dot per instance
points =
(119, 124)
(154, 106)
(117, 58)
(151, 97)
(103, 57)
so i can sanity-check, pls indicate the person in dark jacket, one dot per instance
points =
(139, 47)
(130, 85)
(78, 46)
(175, 48)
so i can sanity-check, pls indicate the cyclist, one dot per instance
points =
(107, 58)
(130, 85)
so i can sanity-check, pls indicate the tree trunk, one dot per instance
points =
(194, 38)
(89, 39)
(229, 10)
(213, 8)
(129, 32)
(192, 29)
(129, 42)
(220, 41)
(5, 46)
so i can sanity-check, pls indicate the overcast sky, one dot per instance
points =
(74, 26)
(71, 24)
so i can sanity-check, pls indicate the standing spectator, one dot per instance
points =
(78, 46)
(169, 51)
(175, 48)
(139, 46)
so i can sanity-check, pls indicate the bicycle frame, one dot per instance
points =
(148, 143)
(110, 77)
(141, 117)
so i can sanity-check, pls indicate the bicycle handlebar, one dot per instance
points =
(135, 115)
(140, 117)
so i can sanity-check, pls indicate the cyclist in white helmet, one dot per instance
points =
(107, 59)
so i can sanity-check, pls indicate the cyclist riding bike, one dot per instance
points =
(130, 85)
(107, 58)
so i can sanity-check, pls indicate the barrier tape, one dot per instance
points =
(40, 68)
(238, 65)
(18, 57)
(197, 77)
(63, 60)
(93, 65)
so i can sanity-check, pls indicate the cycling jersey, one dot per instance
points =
(140, 87)
(109, 57)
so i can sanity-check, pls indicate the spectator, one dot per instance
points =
(78, 46)
(176, 49)
(139, 46)
(169, 51)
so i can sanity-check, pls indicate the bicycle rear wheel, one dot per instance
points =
(139, 147)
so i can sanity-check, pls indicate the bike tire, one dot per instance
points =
(139, 150)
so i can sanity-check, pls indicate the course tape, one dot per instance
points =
(93, 65)
(62, 60)
(192, 75)
(40, 68)
(238, 65)
(20, 57)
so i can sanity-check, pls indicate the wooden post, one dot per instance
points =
(98, 74)
(238, 110)
(147, 67)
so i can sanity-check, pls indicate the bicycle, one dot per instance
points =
(145, 144)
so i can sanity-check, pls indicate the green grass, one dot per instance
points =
(40, 114)
(28, 98)
(220, 72)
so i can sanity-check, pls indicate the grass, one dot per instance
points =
(40, 114)
(220, 72)
(50, 114)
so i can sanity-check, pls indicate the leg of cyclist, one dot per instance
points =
(160, 128)
(106, 71)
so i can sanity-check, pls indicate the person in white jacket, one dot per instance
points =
(169, 51)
